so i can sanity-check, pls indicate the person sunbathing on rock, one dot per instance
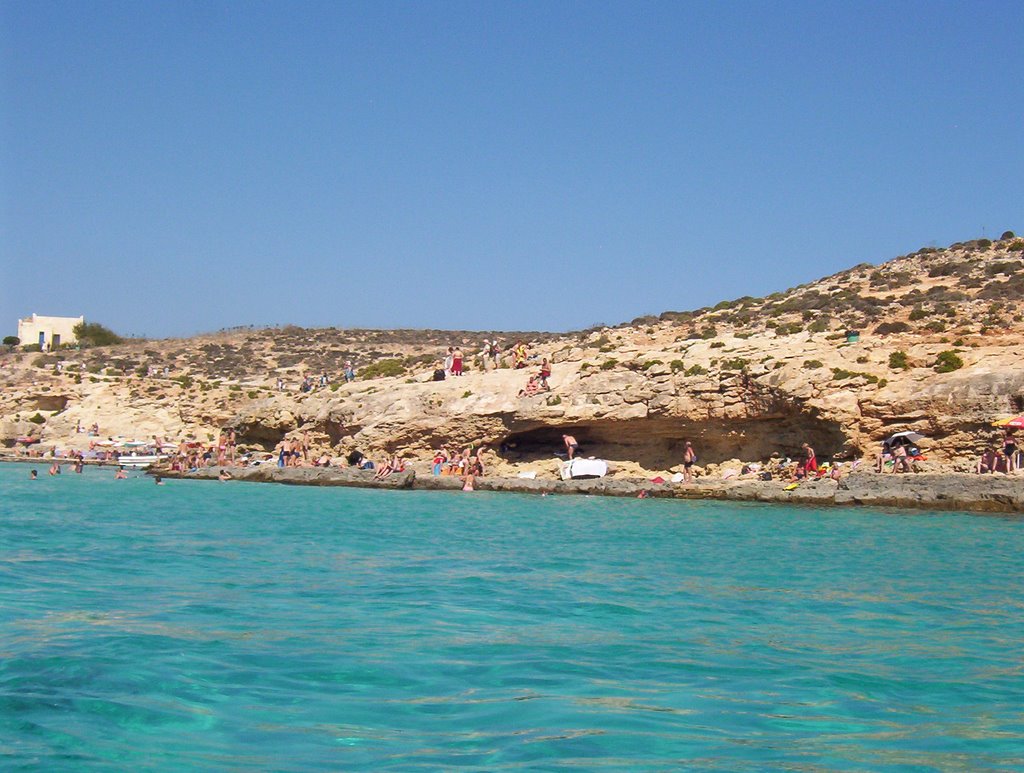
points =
(532, 387)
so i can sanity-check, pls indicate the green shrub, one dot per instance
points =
(882, 382)
(467, 393)
(708, 332)
(813, 364)
(695, 370)
(1007, 235)
(917, 313)
(898, 361)
(1017, 246)
(95, 334)
(947, 362)
(862, 359)
(676, 365)
(554, 400)
(252, 394)
(609, 364)
(38, 419)
(11, 341)
(937, 326)
(789, 328)
(382, 368)
(31, 348)
(984, 244)
(717, 344)
(650, 364)
(892, 327)
(184, 381)
(744, 335)
(736, 363)
(818, 326)
(839, 374)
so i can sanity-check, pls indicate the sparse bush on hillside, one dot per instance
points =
(676, 365)
(695, 370)
(609, 364)
(736, 363)
(936, 326)
(948, 361)
(917, 313)
(1012, 288)
(813, 364)
(1007, 235)
(95, 334)
(789, 328)
(382, 368)
(898, 361)
(820, 325)
(984, 244)
(1017, 246)
(1008, 267)
(892, 327)
(11, 341)
(950, 269)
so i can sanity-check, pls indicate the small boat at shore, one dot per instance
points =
(139, 461)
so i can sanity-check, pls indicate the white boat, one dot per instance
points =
(140, 461)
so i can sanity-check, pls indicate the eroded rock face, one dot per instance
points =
(625, 415)
(745, 380)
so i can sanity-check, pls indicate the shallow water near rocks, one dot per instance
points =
(210, 626)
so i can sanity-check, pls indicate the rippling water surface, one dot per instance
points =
(255, 627)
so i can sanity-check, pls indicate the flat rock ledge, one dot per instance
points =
(948, 491)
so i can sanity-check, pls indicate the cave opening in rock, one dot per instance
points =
(657, 444)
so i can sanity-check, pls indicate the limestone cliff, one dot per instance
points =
(938, 352)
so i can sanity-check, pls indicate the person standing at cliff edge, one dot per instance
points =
(689, 459)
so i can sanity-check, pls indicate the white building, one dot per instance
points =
(48, 332)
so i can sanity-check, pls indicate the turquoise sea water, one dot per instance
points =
(209, 626)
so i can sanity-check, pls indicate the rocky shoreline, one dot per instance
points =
(947, 491)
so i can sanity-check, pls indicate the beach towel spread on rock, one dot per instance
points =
(584, 468)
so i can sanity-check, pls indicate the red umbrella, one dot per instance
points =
(1017, 422)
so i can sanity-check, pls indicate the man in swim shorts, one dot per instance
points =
(570, 445)
(689, 459)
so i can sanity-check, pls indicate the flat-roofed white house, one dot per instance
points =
(48, 332)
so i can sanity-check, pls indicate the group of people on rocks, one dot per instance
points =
(1004, 456)
(488, 358)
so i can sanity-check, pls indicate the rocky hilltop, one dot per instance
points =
(938, 351)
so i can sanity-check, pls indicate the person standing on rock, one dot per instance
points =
(448, 360)
(457, 362)
(1010, 449)
(545, 374)
(570, 445)
(810, 460)
(689, 459)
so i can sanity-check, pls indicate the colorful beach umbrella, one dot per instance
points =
(1017, 422)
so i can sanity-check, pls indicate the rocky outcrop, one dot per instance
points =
(744, 380)
(990, 493)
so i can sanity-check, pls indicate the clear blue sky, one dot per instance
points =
(175, 167)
